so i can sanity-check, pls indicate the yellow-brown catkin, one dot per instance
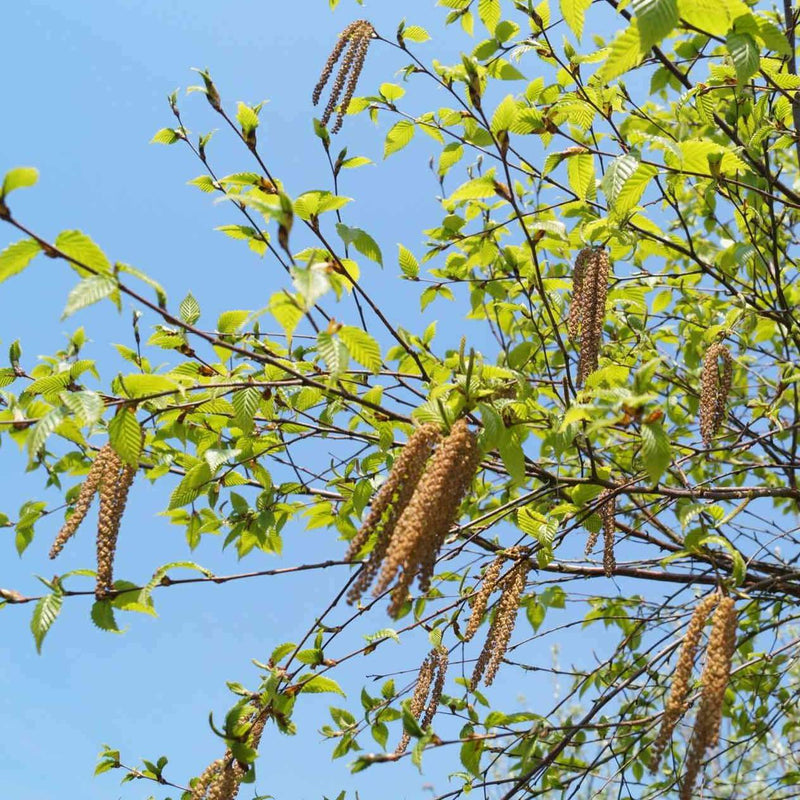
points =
(435, 663)
(494, 649)
(714, 682)
(681, 678)
(356, 37)
(115, 483)
(85, 496)
(715, 386)
(588, 310)
(389, 503)
(423, 526)
(608, 514)
(481, 599)
(221, 779)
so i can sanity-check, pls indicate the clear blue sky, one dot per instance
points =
(84, 91)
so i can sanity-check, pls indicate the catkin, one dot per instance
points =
(681, 678)
(85, 496)
(389, 503)
(435, 663)
(715, 386)
(115, 483)
(714, 681)
(608, 512)
(481, 599)
(356, 37)
(496, 644)
(588, 308)
(221, 779)
(426, 520)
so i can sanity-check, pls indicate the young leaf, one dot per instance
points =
(574, 12)
(125, 435)
(743, 51)
(656, 18)
(19, 178)
(656, 450)
(399, 135)
(362, 347)
(89, 291)
(45, 614)
(16, 257)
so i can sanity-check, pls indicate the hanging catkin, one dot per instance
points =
(714, 682)
(389, 503)
(588, 308)
(481, 599)
(221, 779)
(608, 514)
(423, 526)
(496, 644)
(681, 678)
(435, 663)
(356, 37)
(85, 496)
(715, 386)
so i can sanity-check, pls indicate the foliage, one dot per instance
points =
(674, 148)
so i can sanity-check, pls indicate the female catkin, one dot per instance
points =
(681, 678)
(389, 503)
(714, 682)
(715, 386)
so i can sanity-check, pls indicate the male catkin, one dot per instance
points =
(681, 678)
(389, 503)
(481, 599)
(714, 681)
(356, 37)
(435, 663)
(715, 386)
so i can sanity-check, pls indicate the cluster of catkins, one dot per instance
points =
(607, 509)
(431, 674)
(715, 386)
(713, 683)
(111, 479)
(512, 586)
(221, 779)
(412, 513)
(587, 310)
(356, 37)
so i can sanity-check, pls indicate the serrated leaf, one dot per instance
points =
(399, 135)
(19, 178)
(140, 385)
(311, 282)
(617, 173)
(489, 13)
(504, 115)
(89, 291)
(414, 33)
(287, 312)
(191, 486)
(656, 450)
(333, 350)
(205, 183)
(362, 347)
(246, 117)
(166, 136)
(189, 309)
(633, 188)
(245, 404)
(125, 435)
(45, 614)
(103, 616)
(624, 53)
(317, 684)
(362, 241)
(656, 19)
(80, 247)
(476, 189)
(574, 13)
(743, 50)
(581, 175)
(16, 257)
(408, 262)
(42, 430)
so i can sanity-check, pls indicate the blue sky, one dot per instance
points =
(85, 91)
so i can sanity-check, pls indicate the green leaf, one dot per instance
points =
(476, 189)
(317, 684)
(656, 18)
(504, 115)
(362, 347)
(311, 282)
(362, 241)
(82, 249)
(617, 174)
(743, 51)
(42, 430)
(574, 13)
(414, 33)
(408, 262)
(333, 350)
(125, 435)
(189, 309)
(247, 117)
(287, 312)
(89, 291)
(634, 187)
(16, 257)
(489, 13)
(45, 614)
(581, 175)
(167, 136)
(103, 616)
(245, 404)
(19, 178)
(231, 321)
(399, 135)
(656, 450)
(625, 52)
